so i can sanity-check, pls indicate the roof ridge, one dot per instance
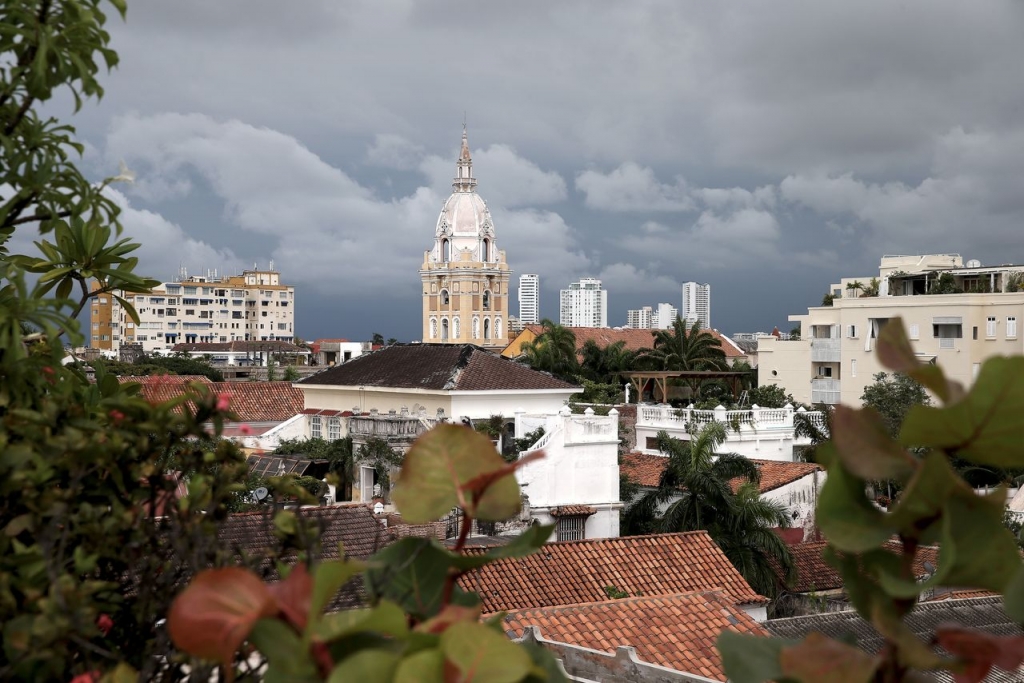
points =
(632, 599)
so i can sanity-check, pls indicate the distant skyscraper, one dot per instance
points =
(529, 299)
(697, 304)
(639, 318)
(664, 316)
(584, 304)
(648, 317)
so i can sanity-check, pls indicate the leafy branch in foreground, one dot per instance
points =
(419, 626)
(937, 506)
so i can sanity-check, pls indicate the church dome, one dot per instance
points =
(465, 222)
(465, 214)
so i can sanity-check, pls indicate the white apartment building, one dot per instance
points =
(697, 304)
(529, 299)
(253, 306)
(584, 304)
(955, 315)
(647, 317)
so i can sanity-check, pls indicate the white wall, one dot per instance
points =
(483, 404)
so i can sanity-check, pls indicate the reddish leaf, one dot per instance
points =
(864, 446)
(293, 596)
(980, 651)
(819, 658)
(449, 615)
(215, 613)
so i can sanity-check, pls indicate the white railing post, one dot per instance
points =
(789, 413)
(520, 431)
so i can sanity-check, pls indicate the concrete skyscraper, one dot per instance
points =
(529, 299)
(584, 304)
(697, 304)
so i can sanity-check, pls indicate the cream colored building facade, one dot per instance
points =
(253, 306)
(834, 360)
(465, 277)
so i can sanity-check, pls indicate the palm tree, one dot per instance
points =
(697, 487)
(856, 286)
(554, 351)
(748, 540)
(605, 364)
(682, 349)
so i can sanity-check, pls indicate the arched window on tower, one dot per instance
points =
(444, 297)
(497, 328)
(446, 250)
(455, 327)
(487, 328)
(433, 328)
(485, 251)
(487, 300)
(476, 327)
(444, 329)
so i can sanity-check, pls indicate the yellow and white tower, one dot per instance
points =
(465, 277)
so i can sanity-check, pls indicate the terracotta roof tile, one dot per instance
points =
(574, 572)
(572, 510)
(646, 469)
(635, 339)
(440, 367)
(251, 401)
(674, 631)
(815, 575)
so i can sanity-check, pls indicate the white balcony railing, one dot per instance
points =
(754, 419)
(825, 391)
(825, 351)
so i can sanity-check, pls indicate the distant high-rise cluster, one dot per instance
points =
(648, 317)
(529, 299)
(697, 304)
(584, 304)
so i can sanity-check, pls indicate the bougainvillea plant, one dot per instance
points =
(983, 426)
(419, 625)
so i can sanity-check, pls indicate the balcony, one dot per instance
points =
(825, 350)
(947, 343)
(825, 391)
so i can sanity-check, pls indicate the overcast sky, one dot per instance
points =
(765, 148)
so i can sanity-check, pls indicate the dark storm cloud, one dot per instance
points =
(646, 143)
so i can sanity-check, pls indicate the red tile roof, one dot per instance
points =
(439, 367)
(251, 401)
(646, 469)
(572, 510)
(816, 575)
(575, 572)
(674, 631)
(635, 339)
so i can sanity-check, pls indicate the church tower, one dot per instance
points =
(465, 277)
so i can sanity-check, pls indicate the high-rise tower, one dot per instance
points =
(697, 304)
(529, 299)
(465, 277)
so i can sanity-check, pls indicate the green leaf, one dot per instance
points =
(865, 447)
(921, 503)
(438, 469)
(412, 573)
(426, 666)
(328, 578)
(1013, 597)
(986, 552)
(283, 649)
(386, 618)
(985, 426)
(751, 659)
(844, 513)
(896, 353)
(481, 654)
(522, 545)
(365, 666)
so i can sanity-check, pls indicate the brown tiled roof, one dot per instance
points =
(646, 469)
(674, 631)
(262, 401)
(251, 401)
(575, 572)
(572, 510)
(815, 575)
(984, 614)
(634, 339)
(240, 347)
(354, 526)
(959, 594)
(439, 367)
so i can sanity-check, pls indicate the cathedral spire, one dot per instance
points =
(464, 180)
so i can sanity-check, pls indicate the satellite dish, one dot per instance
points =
(378, 508)
(261, 493)
(974, 263)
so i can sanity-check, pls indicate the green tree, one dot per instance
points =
(856, 286)
(945, 284)
(828, 299)
(291, 374)
(378, 339)
(770, 396)
(893, 396)
(605, 364)
(554, 351)
(696, 487)
(686, 349)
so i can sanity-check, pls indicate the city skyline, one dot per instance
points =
(756, 165)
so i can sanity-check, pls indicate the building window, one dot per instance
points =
(487, 301)
(572, 528)
(853, 368)
(444, 297)
(476, 328)
(824, 371)
(487, 328)
(1011, 327)
(444, 329)
(915, 331)
(455, 327)
(485, 251)
(497, 328)
(852, 332)
(334, 428)
(990, 327)
(433, 328)
(446, 251)
(316, 427)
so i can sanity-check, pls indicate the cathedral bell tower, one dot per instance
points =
(465, 277)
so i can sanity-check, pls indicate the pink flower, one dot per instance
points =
(104, 623)
(90, 677)
(116, 415)
(223, 402)
(245, 430)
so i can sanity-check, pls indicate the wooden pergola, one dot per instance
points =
(640, 379)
